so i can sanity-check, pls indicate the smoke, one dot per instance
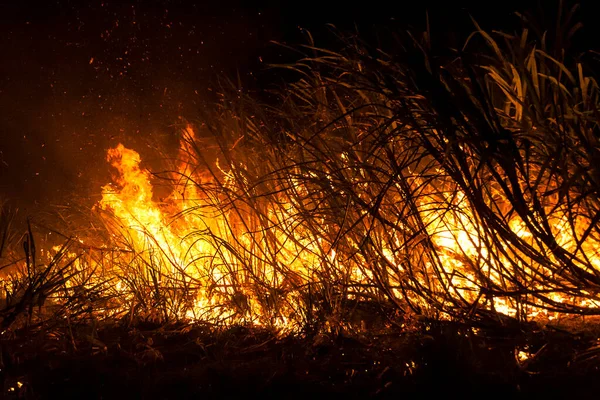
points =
(75, 81)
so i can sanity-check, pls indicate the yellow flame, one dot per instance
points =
(199, 259)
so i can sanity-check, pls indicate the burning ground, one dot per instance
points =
(394, 219)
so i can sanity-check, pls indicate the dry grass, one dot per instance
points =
(340, 195)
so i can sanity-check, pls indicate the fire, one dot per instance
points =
(132, 203)
(208, 260)
(189, 244)
(224, 249)
(450, 190)
(298, 227)
(160, 251)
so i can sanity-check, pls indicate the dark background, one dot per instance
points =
(78, 78)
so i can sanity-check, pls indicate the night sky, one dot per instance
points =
(76, 79)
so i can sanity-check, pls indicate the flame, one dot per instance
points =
(188, 241)
(220, 254)
(213, 250)
(132, 203)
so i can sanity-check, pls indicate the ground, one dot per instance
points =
(177, 362)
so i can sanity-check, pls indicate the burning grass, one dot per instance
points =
(384, 187)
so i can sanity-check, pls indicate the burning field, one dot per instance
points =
(390, 221)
